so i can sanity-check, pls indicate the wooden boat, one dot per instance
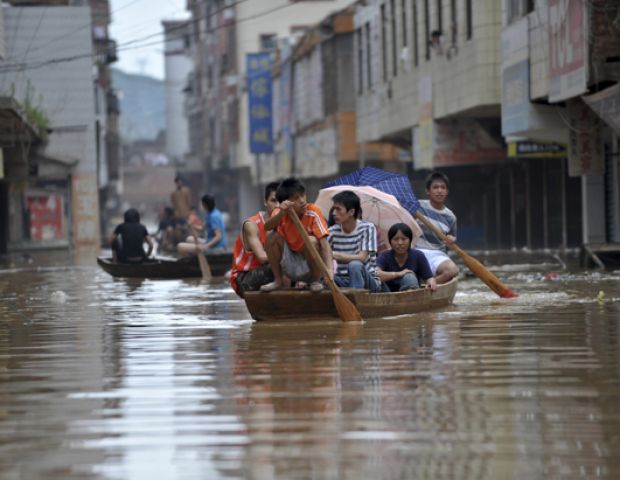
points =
(296, 305)
(160, 267)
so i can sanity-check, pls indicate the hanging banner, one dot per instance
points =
(585, 145)
(260, 92)
(606, 104)
(515, 78)
(423, 133)
(85, 199)
(567, 49)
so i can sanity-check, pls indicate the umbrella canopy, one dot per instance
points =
(378, 207)
(389, 182)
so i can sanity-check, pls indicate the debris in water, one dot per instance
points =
(59, 297)
(601, 296)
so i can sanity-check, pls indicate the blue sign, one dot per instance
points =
(258, 68)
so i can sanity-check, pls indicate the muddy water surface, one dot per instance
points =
(171, 379)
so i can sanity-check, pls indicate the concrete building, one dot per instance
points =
(225, 33)
(314, 127)
(178, 67)
(560, 79)
(48, 72)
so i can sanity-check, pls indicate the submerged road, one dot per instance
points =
(171, 379)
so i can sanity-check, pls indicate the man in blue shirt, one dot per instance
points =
(215, 231)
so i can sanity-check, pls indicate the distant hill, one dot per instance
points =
(142, 102)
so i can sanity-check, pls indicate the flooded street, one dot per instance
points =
(108, 378)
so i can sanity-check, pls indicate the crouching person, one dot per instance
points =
(128, 238)
(285, 246)
(250, 268)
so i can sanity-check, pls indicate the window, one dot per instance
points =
(469, 27)
(517, 9)
(414, 20)
(403, 26)
(427, 31)
(268, 42)
(368, 55)
(360, 61)
(384, 44)
(394, 38)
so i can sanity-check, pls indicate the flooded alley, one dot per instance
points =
(109, 378)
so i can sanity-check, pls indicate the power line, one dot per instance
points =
(126, 46)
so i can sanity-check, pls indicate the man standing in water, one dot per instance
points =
(250, 268)
(181, 199)
(442, 217)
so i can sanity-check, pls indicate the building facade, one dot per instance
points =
(53, 184)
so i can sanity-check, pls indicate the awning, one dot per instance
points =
(14, 126)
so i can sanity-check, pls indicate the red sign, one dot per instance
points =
(567, 49)
(46, 217)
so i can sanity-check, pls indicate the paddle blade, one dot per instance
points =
(204, 266)
(487, 277)
(347, 311)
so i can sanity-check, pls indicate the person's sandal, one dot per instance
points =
(316, 287)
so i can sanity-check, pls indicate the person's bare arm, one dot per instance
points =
(251, 234)
(217, 236)
(387, 276)
(149, 241)
(273, 222)
(349, 257)
(327, 256)
(113, 237)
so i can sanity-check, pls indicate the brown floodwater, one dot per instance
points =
(171, 379)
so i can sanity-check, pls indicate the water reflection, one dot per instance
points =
(171, 379)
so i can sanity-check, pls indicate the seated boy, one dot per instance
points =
(285, 246)
(250, 267)
(442, 267)
(354, 244)
(128, 238)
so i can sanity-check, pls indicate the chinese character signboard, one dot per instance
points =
(258, 68)
(585, 143)
(535, 149)
(85, 210)
(567, 49)
(423, 133)
(46, 216)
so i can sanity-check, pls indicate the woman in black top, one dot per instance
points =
(400, 267)
(128, 239)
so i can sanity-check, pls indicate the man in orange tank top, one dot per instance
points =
(250, 268)
(285, 246)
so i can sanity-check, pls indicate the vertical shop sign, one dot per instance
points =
(423, 133)
(585, 144)
(85, 210)
(567, 49)
(515, 78)
(258, 68)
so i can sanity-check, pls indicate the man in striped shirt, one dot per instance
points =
(444, 219)
(354, 244)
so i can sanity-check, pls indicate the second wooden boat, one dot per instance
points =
(159, 267)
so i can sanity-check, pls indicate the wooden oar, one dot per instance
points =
(346, 310)
(474, 265)
(202, 260)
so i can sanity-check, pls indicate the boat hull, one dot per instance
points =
(158, 267)
(296, 305)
